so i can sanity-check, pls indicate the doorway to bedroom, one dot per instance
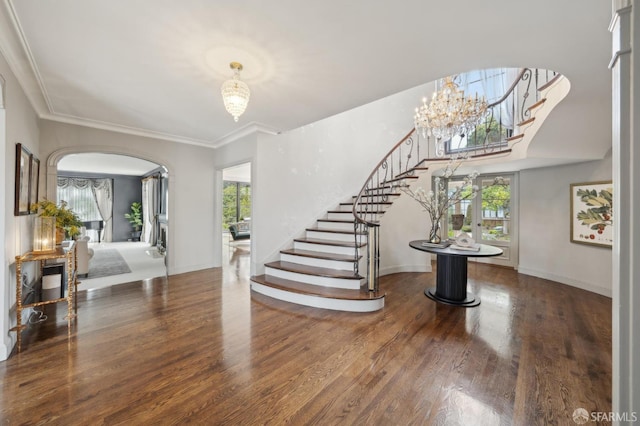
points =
(236, 217)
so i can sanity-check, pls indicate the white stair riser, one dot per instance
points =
(351, 284)
(336, 225)
(320, 302)
(363, 207)
(351, 251)
(314, 261)
(376, 198)
(331, 236)
(340, 215)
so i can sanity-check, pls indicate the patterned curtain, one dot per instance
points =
(88, 198)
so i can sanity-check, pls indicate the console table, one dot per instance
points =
(451, 277)
(69, 255)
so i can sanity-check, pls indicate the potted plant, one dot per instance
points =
(135, 219)
(67, 222)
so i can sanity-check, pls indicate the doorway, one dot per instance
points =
(236, 217)
(103, 190)
(491, 217)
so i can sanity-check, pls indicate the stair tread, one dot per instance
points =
(315, 290)
(359, 211)
(367, 202)
(320, 255)
(313, 270)
(336, 220)
(328, 242)
(334, 231)
(391, 194)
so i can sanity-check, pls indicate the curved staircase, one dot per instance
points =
(321, 269)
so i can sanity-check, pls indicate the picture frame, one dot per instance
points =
(591, 215)
(23, 175)
(34, 181)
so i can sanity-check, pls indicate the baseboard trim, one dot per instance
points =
(423, 267)
(184, 269)
(565, 280)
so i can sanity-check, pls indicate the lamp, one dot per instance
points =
(44, 234)
(448, 114)
(235, 92)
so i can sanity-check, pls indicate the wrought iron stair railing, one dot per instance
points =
(414, 152)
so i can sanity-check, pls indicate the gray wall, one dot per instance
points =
(126, 190)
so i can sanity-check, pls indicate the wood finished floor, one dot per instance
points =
(200, 348)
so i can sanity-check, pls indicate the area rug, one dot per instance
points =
(106, 262)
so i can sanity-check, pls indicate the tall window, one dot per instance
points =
(498, 125)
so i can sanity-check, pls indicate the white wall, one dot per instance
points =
(191, 184)
(238, 152)
(21, 125)
(545, 247)
(307, 171)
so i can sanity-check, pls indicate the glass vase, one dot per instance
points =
(434, 233)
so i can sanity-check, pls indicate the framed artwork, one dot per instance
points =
(34, 180)
(23, 162)
(592, 213)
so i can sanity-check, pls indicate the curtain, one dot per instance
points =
(103, 193)
(101, 190)
(149, 208)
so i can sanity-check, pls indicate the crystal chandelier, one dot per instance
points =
(235, 92)
(449, 114)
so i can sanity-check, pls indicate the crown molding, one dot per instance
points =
(245, 130)
(14, 49)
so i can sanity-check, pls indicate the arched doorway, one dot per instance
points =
(126, 247)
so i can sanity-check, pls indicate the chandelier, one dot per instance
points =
(235, 93)
(449, 114)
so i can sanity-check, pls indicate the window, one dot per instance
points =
(493, 84)
(80, 199)
(236, 202)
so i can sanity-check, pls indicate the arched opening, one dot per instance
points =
(123, 201)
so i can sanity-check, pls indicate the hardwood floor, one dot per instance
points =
(200, 348)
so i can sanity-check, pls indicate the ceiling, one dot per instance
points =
(155, 68)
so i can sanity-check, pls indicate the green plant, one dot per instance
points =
(65, 217)
(135, 217)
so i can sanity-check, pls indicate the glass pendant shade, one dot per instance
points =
(235, 93)
(44, 234)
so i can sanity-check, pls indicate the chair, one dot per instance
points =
(84, 254)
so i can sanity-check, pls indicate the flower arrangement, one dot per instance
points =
(438, 201)
(65, 217)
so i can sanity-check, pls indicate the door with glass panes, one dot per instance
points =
(491, 217)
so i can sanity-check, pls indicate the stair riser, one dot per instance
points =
(340, 216)
(351, 284)
(330, 236)
(377, 198)
(313, 261)
(336, 225)
(376, 207)
(319, 302)
(351, 251)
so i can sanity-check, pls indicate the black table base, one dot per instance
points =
(469, 302)
(451, 283)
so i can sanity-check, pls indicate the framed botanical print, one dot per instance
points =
(23, 174)
(34, 179)
(591, 217)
